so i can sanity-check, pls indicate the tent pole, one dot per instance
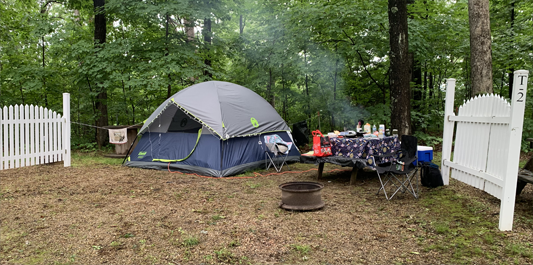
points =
(128, 153)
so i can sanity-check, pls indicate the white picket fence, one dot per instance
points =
(33, 135)
(487, 143)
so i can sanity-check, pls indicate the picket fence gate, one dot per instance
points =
(487, 143)
(33, 135)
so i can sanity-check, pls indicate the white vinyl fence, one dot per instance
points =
(487, 143)
(33, 135)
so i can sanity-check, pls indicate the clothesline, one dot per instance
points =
(103, 127)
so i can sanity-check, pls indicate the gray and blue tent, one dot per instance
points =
(213, 129)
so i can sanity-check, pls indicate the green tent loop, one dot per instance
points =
(179, 160)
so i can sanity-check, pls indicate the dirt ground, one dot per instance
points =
(118, 215)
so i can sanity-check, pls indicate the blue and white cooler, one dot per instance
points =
(425, 154)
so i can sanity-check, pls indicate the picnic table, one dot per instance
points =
(358, 153)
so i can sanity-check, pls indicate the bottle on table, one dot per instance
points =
(381, 130)
(367, 128)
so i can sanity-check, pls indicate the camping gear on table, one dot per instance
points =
(213, 129)
(381, 130)
(321, 144)
(360, 125)
(367, 128)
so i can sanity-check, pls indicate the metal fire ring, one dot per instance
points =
(301, 196)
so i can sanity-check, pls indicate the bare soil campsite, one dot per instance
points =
(98, 211)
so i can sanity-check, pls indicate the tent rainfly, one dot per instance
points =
(213, 128)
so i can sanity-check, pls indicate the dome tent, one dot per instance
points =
(213, 128)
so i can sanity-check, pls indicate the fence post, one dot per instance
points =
(447, 134)
(518, 104)
(66, 129)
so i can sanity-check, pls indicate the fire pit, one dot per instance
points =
(302, 196)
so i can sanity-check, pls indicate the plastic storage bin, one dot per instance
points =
(425, 154)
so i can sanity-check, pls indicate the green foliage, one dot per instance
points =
(226, 256)
(87, 147)
(92, 159)
(303, 57)
(427, 140)
(191, 241)
(301, 249)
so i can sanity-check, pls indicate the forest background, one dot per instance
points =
(324, 62)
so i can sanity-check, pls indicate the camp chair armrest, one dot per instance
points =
(411, 160)
(392, 154)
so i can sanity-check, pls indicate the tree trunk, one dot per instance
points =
(270, 89)
(169, 86)
(44, 78)
(399, 63)
(480, 49)
(511, 70)
(21, 95)
(334, 92)
(241, 24)
(189, 29)
(418, 91)
(101, 98)
(284, 106)
(207, 42)
(425, 97)
(307, 98)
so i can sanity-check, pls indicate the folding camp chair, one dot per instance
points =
(400, 175)
(276, 152)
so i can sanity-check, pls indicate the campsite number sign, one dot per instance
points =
(520, 96)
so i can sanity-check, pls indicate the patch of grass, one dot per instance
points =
(115, 244)
(441, 228)
(217, 217)
(226, 256)
(234, 243)
(92, 159)
(519, 250)
(302, 249)
(253, 185)
(127, 235)
(191, 241)
(461, 227)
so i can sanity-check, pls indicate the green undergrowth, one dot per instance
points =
(465, 229)
(92, 159)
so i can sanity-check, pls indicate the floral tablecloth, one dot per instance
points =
(366, 148)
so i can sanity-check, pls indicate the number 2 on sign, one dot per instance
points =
(520, 95)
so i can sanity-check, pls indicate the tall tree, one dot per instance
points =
(100, 32)
(480, 46)
(399, 64)
(511, 38)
